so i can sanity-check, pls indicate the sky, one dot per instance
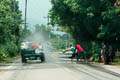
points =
(37, 10)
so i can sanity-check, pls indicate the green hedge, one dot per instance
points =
(8, 50)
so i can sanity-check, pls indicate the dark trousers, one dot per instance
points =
(81, 55)
(73, 55)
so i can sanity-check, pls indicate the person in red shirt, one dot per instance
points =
(80, 52)
(35, 46)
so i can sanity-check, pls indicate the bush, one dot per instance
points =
(3, 53)
(95, 57)
(12, 48)
(95, 51)
(8, 50)
(117, 60)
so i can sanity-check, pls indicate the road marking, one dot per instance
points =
(74, 62)
(63, 62)
(68, 70)
(6, 68)
(1, 72)
(9, 67)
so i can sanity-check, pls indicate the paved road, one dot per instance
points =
(57, 67)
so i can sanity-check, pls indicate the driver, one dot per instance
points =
(35, 46)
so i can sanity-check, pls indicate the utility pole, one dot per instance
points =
(48, 20)
(48, 26)
(25, 26)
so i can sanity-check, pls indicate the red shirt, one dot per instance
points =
(79, 48)
(35, 46)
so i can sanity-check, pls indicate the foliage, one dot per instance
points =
(95, 52)
(12, 49)
(95, 17)
(3, 53)
(117, 60)
(61, 41)
(43, 29)
(88, 20)
(10, 29)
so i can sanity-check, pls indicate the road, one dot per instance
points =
(56, 67)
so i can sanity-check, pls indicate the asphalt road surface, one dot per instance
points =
(56, 67)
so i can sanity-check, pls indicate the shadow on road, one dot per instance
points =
(30, 65)
(103, 70)
(64, 57)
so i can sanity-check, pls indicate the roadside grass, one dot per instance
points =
(116, 63)
(59, 50)
(9, 59)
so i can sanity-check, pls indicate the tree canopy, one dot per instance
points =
(87, 20)
(10, 29)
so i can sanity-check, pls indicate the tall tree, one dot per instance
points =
(10, 29)
(86, 20)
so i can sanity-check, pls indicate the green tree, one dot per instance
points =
(88, 20)
(40, 28)
(82, 17)
(10, 29)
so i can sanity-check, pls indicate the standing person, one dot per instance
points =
(80, 52)
(103, 53)
(35, 46)
(110, 54)
(73, 51)
(107, 54)
(40, 46)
